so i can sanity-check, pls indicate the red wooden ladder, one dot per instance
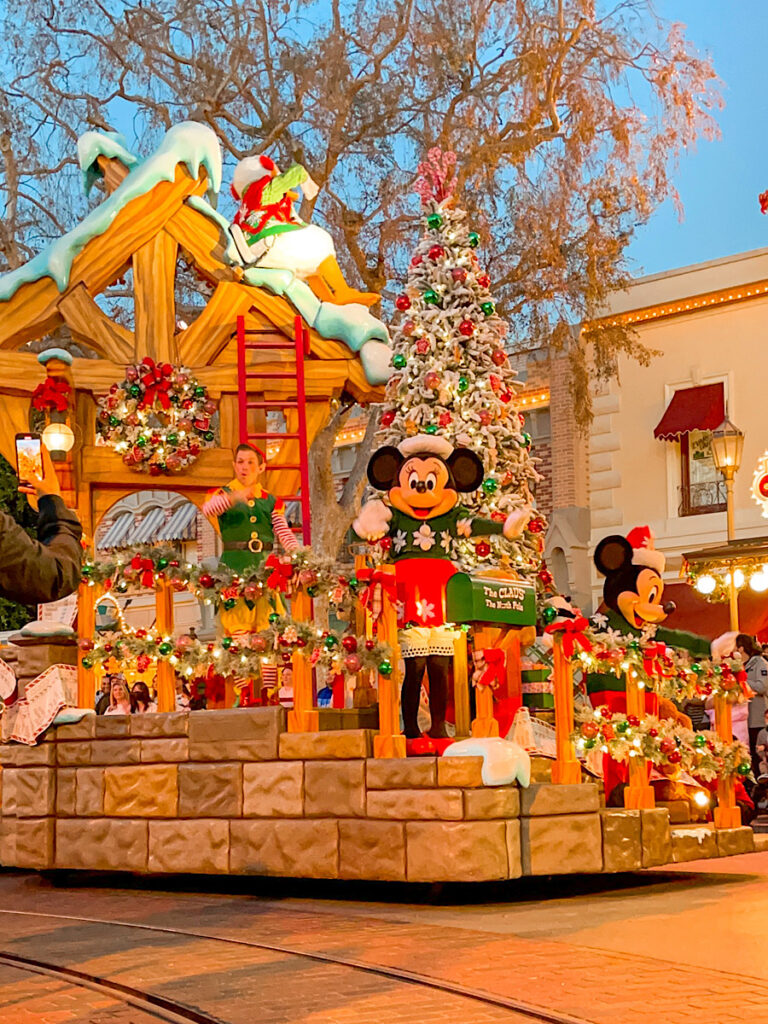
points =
(293, 401)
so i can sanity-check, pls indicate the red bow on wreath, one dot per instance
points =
(156, 383)
(494, 670)
(651, 664)
(280, 577)
(51, 395)
(147, 569)
(572, 631)
(379, 582)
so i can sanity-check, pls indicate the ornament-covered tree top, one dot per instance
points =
(451, 373)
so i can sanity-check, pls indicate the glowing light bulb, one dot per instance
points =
(706, 584)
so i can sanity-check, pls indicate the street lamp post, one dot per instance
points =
(727, 448)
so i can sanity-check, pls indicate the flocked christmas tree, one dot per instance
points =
(452, 376)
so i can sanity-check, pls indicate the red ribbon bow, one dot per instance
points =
(651, 655)
(52, 395)
(280, 577)
(147, 569)
(378, 582)
(572, 631)
(157, 384)
(280, 211)
(494, 672)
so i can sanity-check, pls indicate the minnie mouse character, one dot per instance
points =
(423, 477)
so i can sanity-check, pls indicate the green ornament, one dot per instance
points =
(622, 726)
(331, 642)
(431, 297)
(121, 587)
(87, 663)
(141, 442)
(696, 668)
(173, 399)
(114, 421)
(490, 485)
(633, 645)
(488, 308)
(162, 563)
(549, 614)
(172, 439)
(87, 570)
(744, 768)
(699, 740)
(230, 603)
(226, 643)
(474, 239)
(209, 435)
(463, 385)
(399, 361)
(312, 591)
(353, 584)
(165, 648)
(717, 669)
(273, 618)
(431, 429)
(590, 743)
(526, 441)
(434, 221)
(385, 668)
(199, 392)
(134, 390)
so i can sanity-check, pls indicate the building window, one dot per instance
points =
(702, 488)
(538, 425)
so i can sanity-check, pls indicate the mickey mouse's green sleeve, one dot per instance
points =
(283, 183)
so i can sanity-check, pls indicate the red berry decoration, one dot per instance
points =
(386, 543)
(388, 418)
(403, 302)
(482, 549)
(349, 643)
(674, 757)
(506, 396)
(459, 275)
(545, 576)
(483, 280)
(536, 526)
(436, 252)
(370, 644)
(633, 720)
(499, 356)
(467, 328)
(417, 260)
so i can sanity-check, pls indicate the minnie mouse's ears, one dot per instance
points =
(466, 469)
(613, 554)
(383, 467)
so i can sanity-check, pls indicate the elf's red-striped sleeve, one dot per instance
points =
(283, 532)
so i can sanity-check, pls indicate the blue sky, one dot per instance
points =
(719, 182)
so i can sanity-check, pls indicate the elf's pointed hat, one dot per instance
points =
(645, 553)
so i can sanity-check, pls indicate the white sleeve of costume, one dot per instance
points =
(283, 532)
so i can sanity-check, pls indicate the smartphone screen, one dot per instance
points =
(29, 456)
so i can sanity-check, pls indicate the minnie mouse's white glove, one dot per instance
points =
(373, 521)
(516, 522)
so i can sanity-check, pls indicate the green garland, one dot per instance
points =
(665, 743)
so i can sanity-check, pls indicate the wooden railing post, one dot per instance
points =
(303, 717)
(389, 742)
(165, 678)
(566, 770)
(639, 793)
(87, 597)
(727, 813)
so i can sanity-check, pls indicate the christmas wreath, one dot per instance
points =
(159, 418)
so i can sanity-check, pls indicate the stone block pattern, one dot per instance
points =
(231, 791)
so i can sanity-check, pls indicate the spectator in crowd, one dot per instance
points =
(43, 570)
(101, 700)
(141, 701)
(119, 698)
(756, 667)
(761, 748)
(183, 697)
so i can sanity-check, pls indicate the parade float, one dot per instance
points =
(448, 586)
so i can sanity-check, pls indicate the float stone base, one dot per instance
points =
(217, 792)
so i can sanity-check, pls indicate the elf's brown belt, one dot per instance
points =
(255, 545)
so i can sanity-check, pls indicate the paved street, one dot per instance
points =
(676, 946)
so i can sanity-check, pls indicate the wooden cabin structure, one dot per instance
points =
(148, 236)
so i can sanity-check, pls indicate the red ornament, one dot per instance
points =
(388, 418)
(483, 280)
(499, 356)
(545, 576)
(506, 396)
(445, 419)
(370, 644)
(633, 720)
(417, 260)
(206, 580)
(408, 328)
(423, 346)
(485, 418)
(536, 526)
(85, 644)
(459, 275)
(349, 643)
(142, 662)
(482, 549)
(467, 328)
(432, 379)
(436, 252)
(403, 302)
(386, 543)
(154, 470)
(667, 745)
(653, 732)
(589, 729)
(352, 663)
(675, 757)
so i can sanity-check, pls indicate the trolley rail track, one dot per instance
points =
(178, 1013)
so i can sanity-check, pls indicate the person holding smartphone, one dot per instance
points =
(46, 569)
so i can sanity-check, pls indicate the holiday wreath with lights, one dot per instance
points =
(159, 418)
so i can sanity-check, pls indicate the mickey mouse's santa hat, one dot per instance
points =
(645, 553)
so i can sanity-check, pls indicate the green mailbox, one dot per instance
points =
(509, 601)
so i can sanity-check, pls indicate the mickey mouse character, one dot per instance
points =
(423, 477)
(633, 577)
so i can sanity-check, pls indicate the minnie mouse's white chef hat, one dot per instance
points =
(426, 444)
(645, 553)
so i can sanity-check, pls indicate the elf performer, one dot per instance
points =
(249, 521)
(423, 477)
(268, 232)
